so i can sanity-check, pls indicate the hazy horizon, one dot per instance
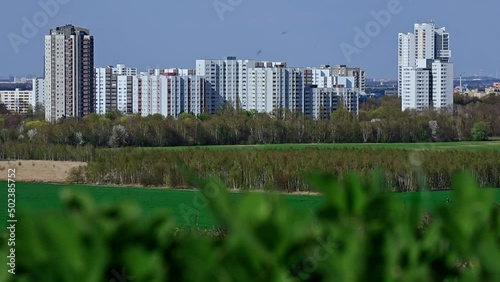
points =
(167, 35)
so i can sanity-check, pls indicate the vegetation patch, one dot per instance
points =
(358, 233)
(187, 207)
(283, 170)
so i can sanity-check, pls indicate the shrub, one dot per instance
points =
(76, 175)
(479, 131)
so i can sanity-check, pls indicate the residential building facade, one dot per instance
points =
(114, 89)
(169, 95)
(425, 72)
(415, 88)
(18, 101)
(359, 75)
(262, 86)
(227, 81)
(39, 91)
(69, 73)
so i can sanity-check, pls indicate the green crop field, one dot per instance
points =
(466, 146)
(185, 206)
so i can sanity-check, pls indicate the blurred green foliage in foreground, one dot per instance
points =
(360, 234)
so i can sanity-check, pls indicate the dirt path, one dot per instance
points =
(38, 171)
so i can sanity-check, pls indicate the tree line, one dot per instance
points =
(379, 121)
(284, 170)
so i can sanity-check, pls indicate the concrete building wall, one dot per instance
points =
(425, 40)
(406, 55)
(430, 63)
(415, 88)
(114, 88)
(358, 74)
(103, 84)
(167, 95)
(17, 101)
(226, 80)
(442, 84)
(69, 73)
(39, 91)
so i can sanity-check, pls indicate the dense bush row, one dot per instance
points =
(359, 234)
(284, 169)
(376, 123)
(25, 151)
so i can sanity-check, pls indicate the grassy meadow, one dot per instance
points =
(184, 205)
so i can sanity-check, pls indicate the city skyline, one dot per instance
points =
(300, 36)
(72, 87)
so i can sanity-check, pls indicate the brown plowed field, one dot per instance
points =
(38, 171)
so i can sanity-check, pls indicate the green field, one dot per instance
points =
(466, 146)
(45, 197)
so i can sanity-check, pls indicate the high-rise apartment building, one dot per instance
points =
(114, 87)
(39, 91)
(184, 94)
(358, 74)
(149, 94)
(320, 102)
(227, 81)
(425, 73)
(322, 77)
(424, 40)
(416, 88)
(18, 101)
(327, 76)
(406, 56)
(442, 45)
(442, 84)
(122, 69)
(169, 94)
(69, 73)
(267, 86)
(170, 72)
(262, 86)
(327, 87)
(272, 86)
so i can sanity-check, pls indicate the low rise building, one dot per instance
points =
(18, 101)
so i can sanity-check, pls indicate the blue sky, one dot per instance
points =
(165, 33)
